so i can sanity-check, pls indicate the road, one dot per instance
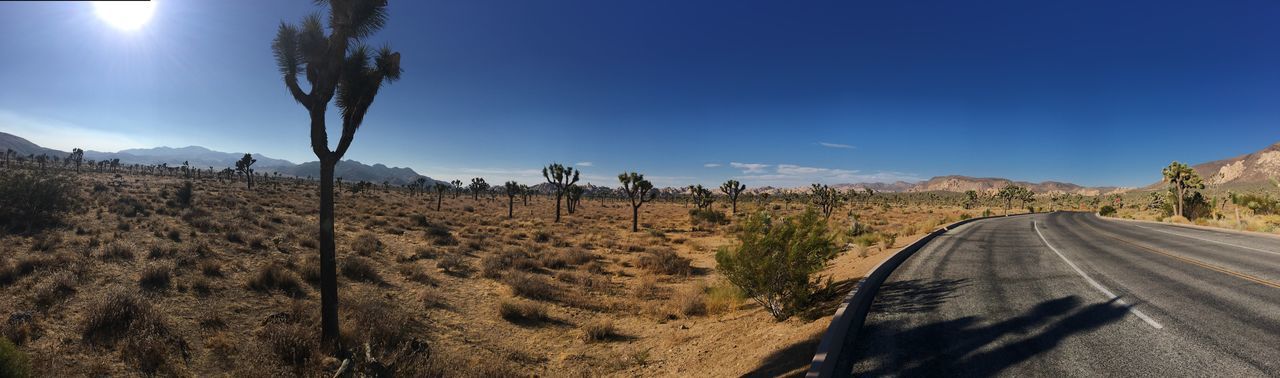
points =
(1070, 294)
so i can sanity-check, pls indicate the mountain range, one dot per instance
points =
(1248, 169)
(200, 157)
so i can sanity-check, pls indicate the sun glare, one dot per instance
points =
(125, 15)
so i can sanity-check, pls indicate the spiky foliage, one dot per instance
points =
(560, 177)
(638, 191)
(1181, 179)
(440, 189)
(825, 198)
(732, 189)
(477, 186)
(512, 189)
(1011, 192)
(243, 168)
(337, 64)
(457, 187)
(970, 199)
(775, 261)
(573, 196)
(702, 197)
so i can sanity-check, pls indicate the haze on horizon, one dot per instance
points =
(782, 94)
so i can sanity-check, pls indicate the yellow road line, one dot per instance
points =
(1188, 260)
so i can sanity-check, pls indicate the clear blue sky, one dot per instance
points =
(771, 92)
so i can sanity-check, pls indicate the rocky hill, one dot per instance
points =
(1252, 168)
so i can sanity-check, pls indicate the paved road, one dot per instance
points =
(1069, 294)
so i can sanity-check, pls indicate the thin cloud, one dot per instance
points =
(791, 175)
(835, 145)
(711, 165)
(749, 167)
(584, 164)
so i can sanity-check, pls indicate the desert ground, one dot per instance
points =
(136, 282)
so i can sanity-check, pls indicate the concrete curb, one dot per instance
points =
(1193, 226)
(851, 314)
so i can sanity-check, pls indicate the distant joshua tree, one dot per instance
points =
(77, 157)
(513, 189)
(457, 187)
(639, 191)
(242, 167)
(702, 197)
(418, 185)
(573, 196)
(733, 189)
(560, 177)
(825, 198)
(970, 199)
(477, 186)
(440, 189)
(1181, 178)
(337, 63)
(525, 191)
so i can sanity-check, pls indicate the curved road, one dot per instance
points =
(1069, 294)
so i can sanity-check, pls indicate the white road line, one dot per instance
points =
(1095, 284)
(1210, 240)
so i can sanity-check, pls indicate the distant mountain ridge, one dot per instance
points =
(1252, 168)
(957, 183)
(203, 158)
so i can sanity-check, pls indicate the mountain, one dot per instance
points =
(25, 147)
(991, 185)
(1248, 169)
(352, 171)
(197, 156)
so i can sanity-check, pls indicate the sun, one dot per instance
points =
(125, 15)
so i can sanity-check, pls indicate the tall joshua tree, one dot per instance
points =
(477, 186)
(457, 187)
(733, 188)
(334, 64)
(440, 189)
(243, 167)
(513, 189)
(1181, 178)
(560, 177)
(639, 191)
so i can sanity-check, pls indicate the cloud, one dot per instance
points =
(749, 167)
(711, 165)
(790, 175)
(835, 145)
(584, 164)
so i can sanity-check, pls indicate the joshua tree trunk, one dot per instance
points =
(439, 198)
(511, 206)
(558, 196)
(328, 263)
(635, 218)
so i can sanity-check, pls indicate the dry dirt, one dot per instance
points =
(681, 324)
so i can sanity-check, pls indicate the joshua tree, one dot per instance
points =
(970, 199)
(476, 187)
(1181, 178)
(242, 167)
(418, 185)
(440, 189)
(513, 189)
(525, 191)
(639, 191)
(1012, 192)
(702, 197)
(573, 195)
(733, 188)
(337, 63)
(77, 157)
(826, 198)
(560, 177)
(457, 187)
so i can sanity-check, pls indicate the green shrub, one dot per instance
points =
(775, 260)
(1107, 210)
(13, 362)
(31, 201)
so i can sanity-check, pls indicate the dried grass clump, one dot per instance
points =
(117, 250)
(599, 330)
(691, 301)
(275, 277)
(156, 277)
(665, 261)
(531, 286)
(366, 244)
(360, 269)
(58, 286)
(142, 334)
(517, 311)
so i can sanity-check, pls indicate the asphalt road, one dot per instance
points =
(1069, 294)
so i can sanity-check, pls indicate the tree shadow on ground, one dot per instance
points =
(828, 299)
(915, 296)
(792, 361)
(963, 347)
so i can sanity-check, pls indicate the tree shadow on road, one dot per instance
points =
(962, 346)
(914, 296)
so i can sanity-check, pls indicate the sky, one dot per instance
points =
(780, 93)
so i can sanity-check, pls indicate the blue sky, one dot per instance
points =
(769, 92)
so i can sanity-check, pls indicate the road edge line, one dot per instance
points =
(1110, 295)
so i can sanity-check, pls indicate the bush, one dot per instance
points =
(184, 195)
(775, 260)
(665, 261)
(1107, 211)
(706, 217)
(366, 244)
(30, 201)
(360, 269)
(274, 277)
(531, 286)
(57, 287)
(452, 263)
(517, 311)
(13, 362)
(691, 302)
(147, 338)
(155, 277)
(599, 330)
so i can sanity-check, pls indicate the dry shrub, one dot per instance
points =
(599, 330)
(291, 343)
(366, 244)
(648, 288)
(492, 266)
(429, 298)
(143, 334)
(58, 286)
(691, 301)
(723, 297)
(360, 269)
(117, 249)
(452, 263)
(531, 286)
(211, 268)
(517, 311)
(221, 346)
(664, 261)
(46, 242)
(378, 322)
(13, 362)
(582, 279)
(416, 273)
(156, 277)
(274, 277)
